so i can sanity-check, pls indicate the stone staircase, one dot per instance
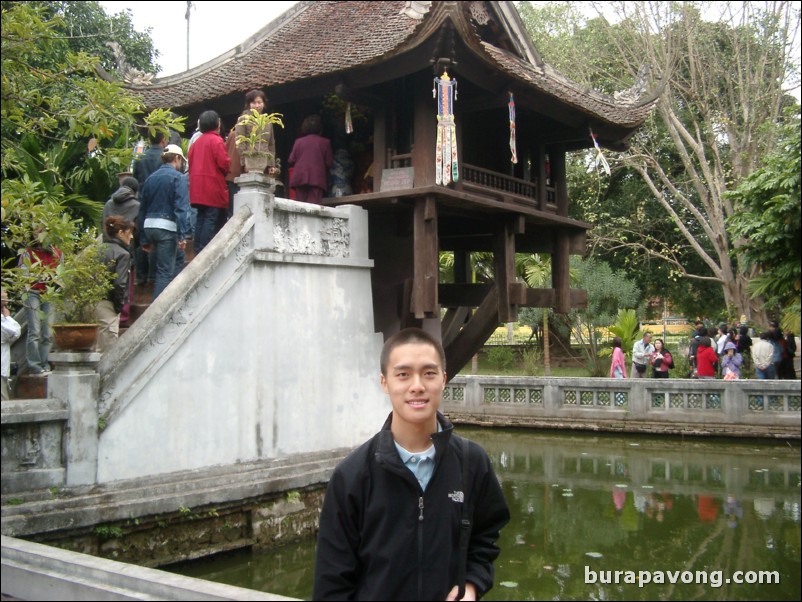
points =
(26, 386)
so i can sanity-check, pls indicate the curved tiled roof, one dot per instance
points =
(311, 39)
(546, 79)
(315, 39)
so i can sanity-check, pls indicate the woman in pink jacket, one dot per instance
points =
(311, 159)
(208, 191)
(618, 369)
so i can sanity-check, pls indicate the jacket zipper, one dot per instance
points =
(420, 548)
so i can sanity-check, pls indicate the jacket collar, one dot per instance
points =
(386, 448)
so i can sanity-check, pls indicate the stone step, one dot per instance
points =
(28, 386)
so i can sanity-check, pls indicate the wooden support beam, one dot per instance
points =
(463, 272)
(406, 319)
(453, 322)
(425, 135)
(504, 266)
(559, 177)
(379, 145)
(560, 277)
(546, 297)
(462, 295)
(472, 295)
(540, 167)
(426, 274)
(474, 334)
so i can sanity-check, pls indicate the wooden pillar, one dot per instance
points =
(425, 133)
(504, 267)
(558, 175)
(462, 267)
(379, 146)
(540, 168)
(560, 275)
(426, 274)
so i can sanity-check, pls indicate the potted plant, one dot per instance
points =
(32, 219)
(254, 139)
(80, 281)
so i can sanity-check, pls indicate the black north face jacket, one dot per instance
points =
(383, 538)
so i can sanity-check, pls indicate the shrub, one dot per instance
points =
(533, 361)
(501, 356)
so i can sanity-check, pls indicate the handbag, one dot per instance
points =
(641, 368)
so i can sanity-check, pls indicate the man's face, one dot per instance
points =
(414, 382)
(647, 338)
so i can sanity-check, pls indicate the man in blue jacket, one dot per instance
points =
(163, 219)
(414, 513)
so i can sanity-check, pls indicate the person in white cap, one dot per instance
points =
(163, 220)
(11, 331)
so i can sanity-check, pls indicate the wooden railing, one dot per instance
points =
(490, 183)
(506, 188)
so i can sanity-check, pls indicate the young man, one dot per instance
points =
(163, 220)
(390, 525)
(147, 163)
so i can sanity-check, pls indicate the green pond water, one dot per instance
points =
(612, 517)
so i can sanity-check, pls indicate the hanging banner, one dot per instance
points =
(599, 159)
(349, 124)
(446, 164)
(513, 150)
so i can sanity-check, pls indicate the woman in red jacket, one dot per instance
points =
(706, 359)
(208, 191)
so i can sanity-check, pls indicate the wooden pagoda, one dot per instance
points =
(379, 63)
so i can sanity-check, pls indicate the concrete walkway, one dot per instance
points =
(32, 571)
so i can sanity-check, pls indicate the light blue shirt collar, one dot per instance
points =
(421, 464)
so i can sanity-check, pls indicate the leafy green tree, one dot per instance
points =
(622, 209)
(767, 222)
(54, 105)
(87, 28)
(626, 327)
(721, 85)
(608, 292)
(65, 132)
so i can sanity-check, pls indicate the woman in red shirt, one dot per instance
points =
(706, 359)
(661, 360)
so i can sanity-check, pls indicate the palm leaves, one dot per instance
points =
(627, 327)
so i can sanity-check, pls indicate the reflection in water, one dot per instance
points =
(691, 514)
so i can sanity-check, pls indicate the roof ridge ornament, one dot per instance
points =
(632, 94)
(415, 9)
(126, 71)
(479, 13)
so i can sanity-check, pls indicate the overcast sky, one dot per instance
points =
(214, 27)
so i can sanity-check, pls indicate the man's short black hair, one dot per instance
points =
(208, 121)
(411, 335)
